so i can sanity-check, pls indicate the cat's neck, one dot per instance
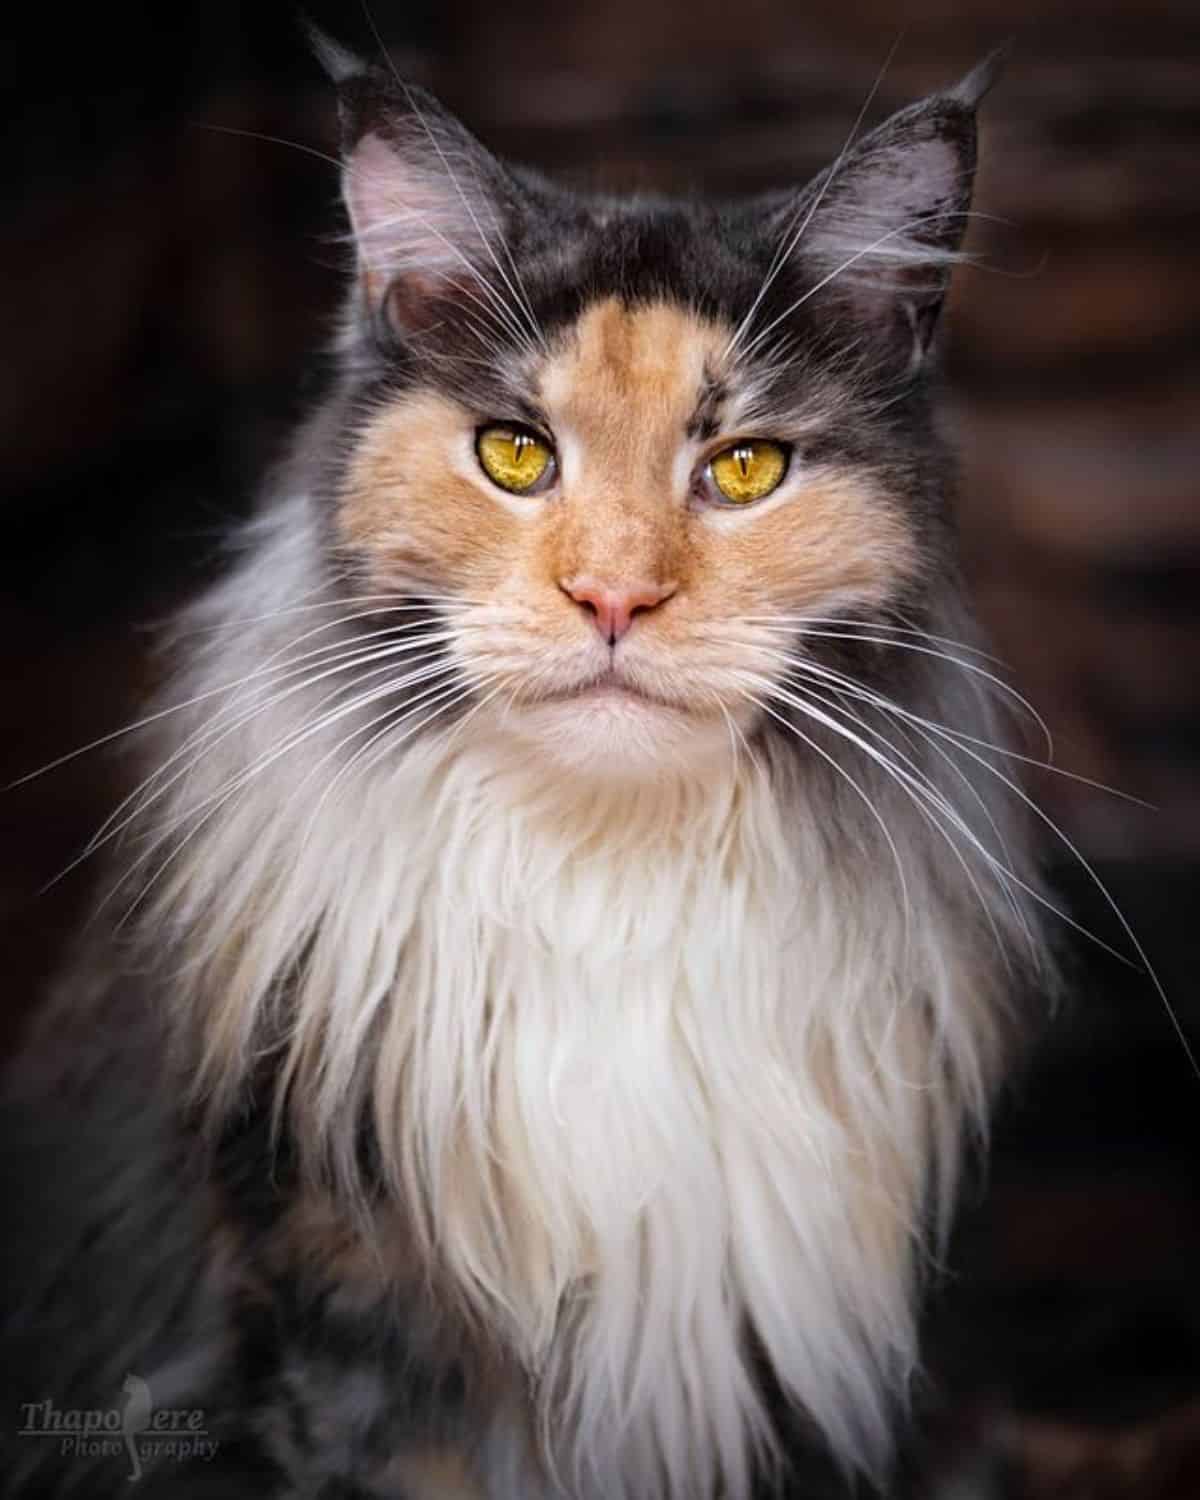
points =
(647, 1064)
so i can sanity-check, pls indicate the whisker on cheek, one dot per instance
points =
(200, 813)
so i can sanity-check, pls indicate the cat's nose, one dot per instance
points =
(613, 606)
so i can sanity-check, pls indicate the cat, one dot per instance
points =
(574, 922)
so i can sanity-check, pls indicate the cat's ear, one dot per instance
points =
(423, 196)
(882, 228)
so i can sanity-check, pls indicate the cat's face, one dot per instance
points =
(631, 446)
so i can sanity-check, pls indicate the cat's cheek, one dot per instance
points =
(440, 539)
(413, 510)
(823, 544)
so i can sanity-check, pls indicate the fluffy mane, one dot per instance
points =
(743, 1144)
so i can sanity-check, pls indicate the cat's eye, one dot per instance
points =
(515, 458)
(749, 470)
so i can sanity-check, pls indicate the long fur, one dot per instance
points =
(740, 1141)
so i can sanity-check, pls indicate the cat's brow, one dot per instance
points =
(529, 411)
(704, 421)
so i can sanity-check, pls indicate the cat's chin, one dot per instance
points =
(615, 732)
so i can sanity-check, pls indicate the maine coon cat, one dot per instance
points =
(570, 929)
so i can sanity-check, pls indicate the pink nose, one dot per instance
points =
(612, 609)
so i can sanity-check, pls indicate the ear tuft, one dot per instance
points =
(339, 63)
(884, 225)
(971, 90)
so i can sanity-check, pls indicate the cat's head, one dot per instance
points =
(631, 445)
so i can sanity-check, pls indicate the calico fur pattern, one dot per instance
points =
(601, 1111)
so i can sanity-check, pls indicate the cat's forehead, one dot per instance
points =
(627, 373)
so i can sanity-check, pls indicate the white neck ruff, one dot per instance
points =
(655, 1067)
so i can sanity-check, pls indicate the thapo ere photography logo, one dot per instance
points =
(142, 1432)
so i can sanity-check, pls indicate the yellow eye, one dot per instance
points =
(512, 457)
(750, 470)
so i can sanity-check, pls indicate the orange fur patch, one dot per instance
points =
(619, 388)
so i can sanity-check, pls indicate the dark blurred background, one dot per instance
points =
(168, 273)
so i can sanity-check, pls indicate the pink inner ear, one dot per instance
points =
(408, 301)
(412, 220)
(898, 198)
(912, 182)
(373, 186)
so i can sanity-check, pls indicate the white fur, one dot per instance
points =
(653, 1063)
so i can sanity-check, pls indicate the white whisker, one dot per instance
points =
(410, 602)
(1104, 892)
(216, 800)
(764, 684)
(498, 310)
(877, 244)
(843, 622)
(974, 668)
(386, 718)
(174, 708)
(990, 858)
(789, 242)
(918, 788)
(960, 775)
(216, 730)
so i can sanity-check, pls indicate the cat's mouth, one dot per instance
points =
(614, 724)
(611, 688)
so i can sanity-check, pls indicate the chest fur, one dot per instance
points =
(650, 1074)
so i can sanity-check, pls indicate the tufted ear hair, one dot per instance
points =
(879, 232)
(426, 201)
